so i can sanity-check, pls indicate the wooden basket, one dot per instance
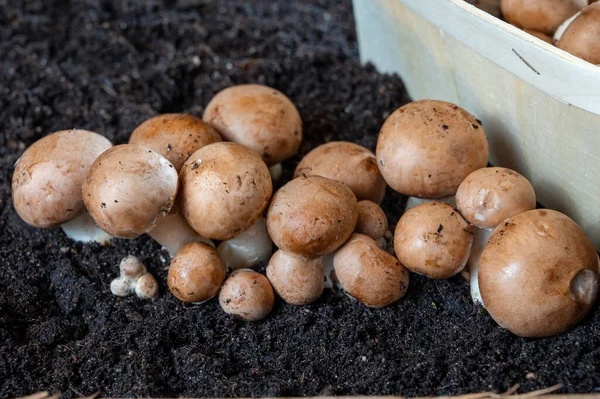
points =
(539, 105)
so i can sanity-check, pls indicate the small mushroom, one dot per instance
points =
(582, 36)
(297, 280)
(174, 136)
(426, 148)
(433, 239)
(130, 190)
(134, 278)
(371, 220)
(538, 274)
(348, 163)
(543, 16)
(196, 273)
(247, 295)
(248, 248)
(312, 216)
(369, 274)
(225, 188)
(146, 287)
(46, 183)
(259, 117)
(486, 198)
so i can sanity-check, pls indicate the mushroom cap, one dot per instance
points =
(582, 37)
(196, 273)
(538, 274)
(433, 239)
(225, 188)
(312, 216)
(368, 273)
(128, 189)
(348, 163)
(46, 183)
(297, 280)
(371, 220)
(146, 287)
(540, 35)
(489, 195)
(131, 267)
(174, 136)
(247, 295)
(426, 148)
(544, 16)
(259, 117)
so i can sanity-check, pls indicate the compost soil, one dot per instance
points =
(107, 65)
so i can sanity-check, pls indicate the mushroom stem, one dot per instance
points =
(414, 201)
(562, 28)
(276, 171)
(583, 288)
(480, 238)
(84, 229)
(248, 248)
(331, 280)
(173, 232)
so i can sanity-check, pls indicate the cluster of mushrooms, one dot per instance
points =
(571, 25)
(203, 189)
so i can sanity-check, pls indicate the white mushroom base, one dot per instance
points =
(480, 238)
(414, 201)
(563, 27)
(276, 171)
(173, 232)
(84, 229)
(248, 248)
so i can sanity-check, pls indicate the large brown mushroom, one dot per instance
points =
(225, 188)
(543, 16)
(312, 216)
(47, 181)
(582, 36)
(348, 163)
(433, 239)
(174, 136)
(368, 273)
(426, 148)
(259, 117)
(538, 274)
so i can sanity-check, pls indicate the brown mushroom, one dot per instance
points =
(259, 117)
(486, 198)
(297, 280)
(433, 239)
(543, 16)
(582, 36)
(369, 274)
(348, 163)
(225, 188)
(196, 273)
(47, 181)
(174, 136)
(312, 216)
(538, 274)
(247, 295)
(426, 148)
(371, 220)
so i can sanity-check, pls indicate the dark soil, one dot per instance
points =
(106, 65)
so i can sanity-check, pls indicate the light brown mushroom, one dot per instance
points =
(47, 181)
(538, 274)
(582, 37)
(174, 136)
(371, 220)
(433, 239)
(297, 280)
(348, 163)
(369, 274)
(259, 117)
(426, 148)
(247, 295)
(486, 198)
(544, 16)
(225, 188)
(312, 216)
(196, 273)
